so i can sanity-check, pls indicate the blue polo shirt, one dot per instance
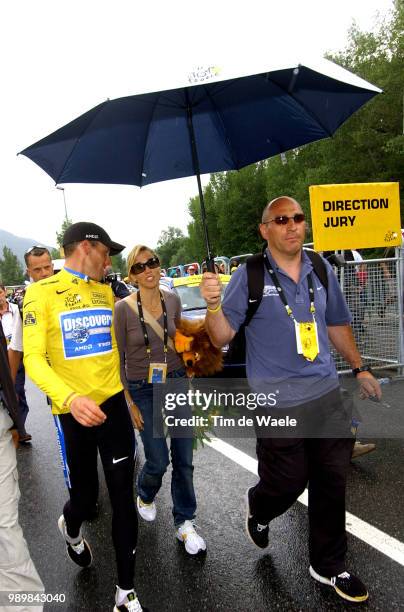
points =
(271, 352)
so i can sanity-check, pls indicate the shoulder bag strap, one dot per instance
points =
(255, 279)
(149, 319)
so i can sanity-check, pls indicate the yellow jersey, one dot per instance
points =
(69, 339)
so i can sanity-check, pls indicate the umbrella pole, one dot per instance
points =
(195, 161)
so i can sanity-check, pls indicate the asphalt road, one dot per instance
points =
(234, 575)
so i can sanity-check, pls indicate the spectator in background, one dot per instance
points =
(39, 263)
(353, 281)
(386, 286)
(9, 313)
(191, 270)
(119, 288)
(234, 264)
(355, 290)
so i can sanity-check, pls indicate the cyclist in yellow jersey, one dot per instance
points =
(69, 318)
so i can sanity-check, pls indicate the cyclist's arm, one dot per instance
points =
(35, 329)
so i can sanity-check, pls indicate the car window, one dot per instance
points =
(190, 297)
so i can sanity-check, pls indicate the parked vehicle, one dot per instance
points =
(175, 271)
(194, 307)
(221, 262)
(187, 288)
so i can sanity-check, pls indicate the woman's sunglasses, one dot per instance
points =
(284, 219)
(151, 263)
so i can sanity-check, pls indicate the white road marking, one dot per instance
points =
(376, 538)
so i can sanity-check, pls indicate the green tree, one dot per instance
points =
(59, 235)
(369, 147)
(233, 202)
(11, 271)
(168, 244)
(55, 253)
(184, 254)
(119, 264)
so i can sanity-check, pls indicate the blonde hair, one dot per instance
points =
(139, 248)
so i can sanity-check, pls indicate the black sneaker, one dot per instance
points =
(79, 553)
(257, 533)
(346, 585)
(131, 603)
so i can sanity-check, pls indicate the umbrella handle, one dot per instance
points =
(210, 264)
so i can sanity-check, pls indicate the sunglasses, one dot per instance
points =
(284, 219)
(151, 263)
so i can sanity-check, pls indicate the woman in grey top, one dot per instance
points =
(145, 324)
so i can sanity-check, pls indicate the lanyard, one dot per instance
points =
(281, 293)
(144, 328)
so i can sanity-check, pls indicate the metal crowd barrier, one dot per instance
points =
(373, 290)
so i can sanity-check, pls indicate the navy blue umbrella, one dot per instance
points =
(201, 127)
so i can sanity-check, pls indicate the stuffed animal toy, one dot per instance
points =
(199, 355)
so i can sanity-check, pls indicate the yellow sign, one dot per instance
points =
(355, 216)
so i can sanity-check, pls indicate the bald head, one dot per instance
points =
(283, 228)
(275, 203)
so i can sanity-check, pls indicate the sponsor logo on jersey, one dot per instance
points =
(86, 332)
(72, 299)
(269, 290)
(30, 318)
(97, 297)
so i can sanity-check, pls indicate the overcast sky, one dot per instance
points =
(62, 57)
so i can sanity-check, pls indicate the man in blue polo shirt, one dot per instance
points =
(287, 343)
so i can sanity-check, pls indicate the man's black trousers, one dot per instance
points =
(285, 466)
(115, 441)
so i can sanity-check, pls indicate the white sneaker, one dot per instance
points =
(129, 604)
(147, 511)
(194, 543)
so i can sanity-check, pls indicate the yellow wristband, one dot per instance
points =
(214, 310)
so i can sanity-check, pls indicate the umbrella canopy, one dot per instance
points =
(215, 123)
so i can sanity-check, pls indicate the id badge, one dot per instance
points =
(307, 339)
(157, 373)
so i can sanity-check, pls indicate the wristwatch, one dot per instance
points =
(364, 368)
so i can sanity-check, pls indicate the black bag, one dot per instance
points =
(7, 390)
(236, 353)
